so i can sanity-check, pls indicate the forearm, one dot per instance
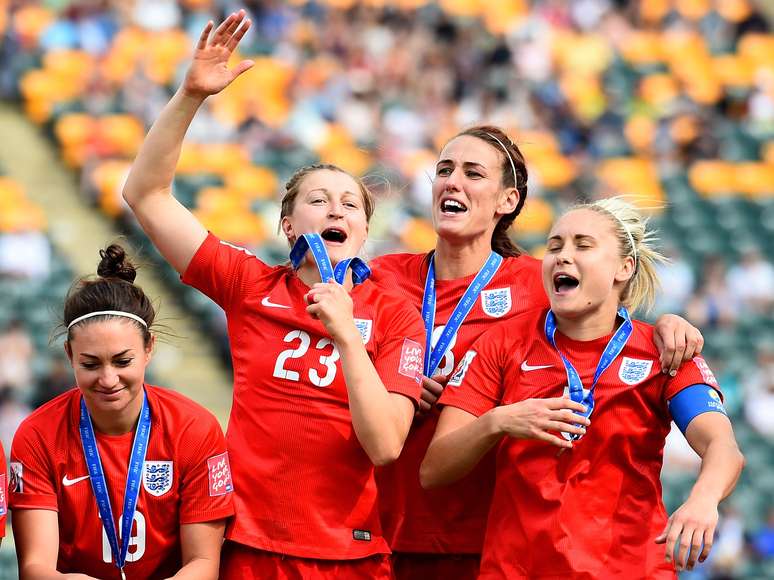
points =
(198, 568)
(154, 168)
(721, 466)
(452, 456)
(42, 572)
(376, 417)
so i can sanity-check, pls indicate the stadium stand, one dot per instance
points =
(668, 101)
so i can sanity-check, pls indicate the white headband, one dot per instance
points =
(108, 313)
(508, 155)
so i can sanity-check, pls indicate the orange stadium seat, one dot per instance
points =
(635, 178)
(418, 235)
(250, 182)
(712, 178)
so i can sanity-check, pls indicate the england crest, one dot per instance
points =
(634, 370)
(497, 302)
(157, 477)
(364, 326)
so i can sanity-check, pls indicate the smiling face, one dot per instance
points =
(468, 193)
(331, 204)
(583, 271)
(109, 359)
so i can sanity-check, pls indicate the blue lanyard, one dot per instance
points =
(612, 350)
(133, 477)
(313, 242)
(433, 356)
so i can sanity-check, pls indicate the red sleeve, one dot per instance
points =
(476, 386)
(31, 479)
(206, 484)
(3, 492)
(217, 270)
(400, 353)
(695, 372)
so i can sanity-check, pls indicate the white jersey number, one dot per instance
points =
(137, 540)
(328, 361)
(446, 366)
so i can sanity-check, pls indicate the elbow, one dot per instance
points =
(385, 455)
(428, 477)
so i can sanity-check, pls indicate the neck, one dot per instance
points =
(309, 274)
(117, 423)
(458, 260)
(588, 326)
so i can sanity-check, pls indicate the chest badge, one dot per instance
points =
(157, 477)
(364, 327)
(634, 370)
(497, 302)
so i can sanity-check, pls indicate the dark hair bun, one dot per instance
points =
(115, 264)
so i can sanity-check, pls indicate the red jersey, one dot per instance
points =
(3, 493)
(593, 511)
(451, 520)
(304, 485)
(186, 447)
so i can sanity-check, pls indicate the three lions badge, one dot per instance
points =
(496, 303)
(157, 477)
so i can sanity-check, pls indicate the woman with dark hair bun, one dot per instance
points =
(117, 478)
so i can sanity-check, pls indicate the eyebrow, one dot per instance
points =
(464, 164)
(327, 191)
(575, 237)
(117, 355)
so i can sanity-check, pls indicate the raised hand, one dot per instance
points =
(209, 72)
(332, 305)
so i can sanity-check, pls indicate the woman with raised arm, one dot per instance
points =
(326, 365)
(117, 478)
(475, 277)
(594, 509)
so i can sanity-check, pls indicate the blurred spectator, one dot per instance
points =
(25, 254)
(677, 283)
(58, 380)
(751, 281)
(713, 305)
(12, 413)
(728, 551)
(763, 538)
(759, 392)
(16, 352)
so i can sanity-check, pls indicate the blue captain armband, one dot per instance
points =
(693, 401)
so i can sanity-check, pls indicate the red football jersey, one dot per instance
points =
(186, 447)
(593, 511)
(450, 520)
(3, 492)
(304, 485)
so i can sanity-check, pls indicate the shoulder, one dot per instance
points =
(178, 411)
(511, 333)
(57, 411)
(385, 269)
(642, 338)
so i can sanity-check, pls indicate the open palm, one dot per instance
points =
(209, 72)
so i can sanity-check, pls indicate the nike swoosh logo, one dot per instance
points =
(266, 302)
(526, 368)
(68, 482)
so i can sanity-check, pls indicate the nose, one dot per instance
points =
(565, 254)
(335, 209)
(108, 377)
(453, 180)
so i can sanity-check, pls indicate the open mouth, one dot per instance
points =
(335, 235)
(564, 283)
(452, 207)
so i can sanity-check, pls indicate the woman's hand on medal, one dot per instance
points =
(331, 304)
(540, 418)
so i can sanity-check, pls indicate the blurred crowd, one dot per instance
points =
(670, 102)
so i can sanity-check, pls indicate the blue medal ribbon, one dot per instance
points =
(433, 356)
(133, 477)
(314, 242)
(611, 352)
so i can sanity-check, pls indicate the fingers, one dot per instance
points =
(672, 535)
(202, 42)
(709, 536)
(570, 417)
(694, 344)
(424, 407)
(561, 426)
(565, 403)
(235, 38)
(554, 440)
(220, 31)
(695, 548)
(685, 544)
(432, 385)
(243, 66)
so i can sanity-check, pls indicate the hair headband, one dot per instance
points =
(508, 155)
(110, 313)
